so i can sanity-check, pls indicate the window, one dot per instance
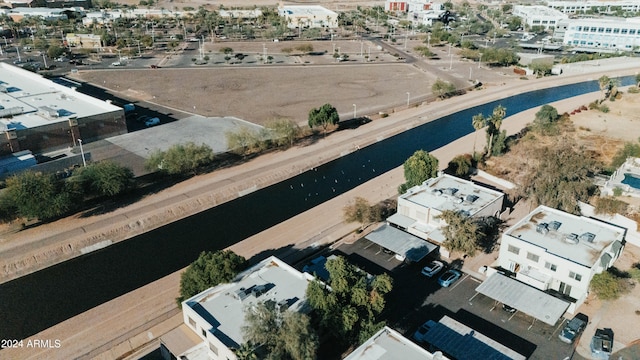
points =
(204, 333)
(513, 249)
(533, 257)
(550, 266)
(575, 276)
(192, 322)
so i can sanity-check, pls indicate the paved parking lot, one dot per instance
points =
(416, 299)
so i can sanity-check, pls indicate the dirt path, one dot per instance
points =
(133, 320)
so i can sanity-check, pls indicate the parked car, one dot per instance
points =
(116, 63)
(602, 344)
(423, 330)
(571, 331)
(152, 122)
(433, 268)
(509, 309)
(449, 277)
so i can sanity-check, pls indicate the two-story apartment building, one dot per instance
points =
(559, 252)
(217, 315)
(419, 209)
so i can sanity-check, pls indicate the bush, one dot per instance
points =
(617, 191)
(181, 159)
(608, 286)
(610, 206)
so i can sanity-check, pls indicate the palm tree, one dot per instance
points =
(495, 122)
(478, 122)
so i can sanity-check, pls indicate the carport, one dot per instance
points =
(522, 297)
(402, 243)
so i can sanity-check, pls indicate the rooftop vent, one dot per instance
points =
(437, 192)
(241, 294)
(450, 191)
(555, 225)
(471, 198)
(542, 228)
(587, 237)
(458, 200)
(571, 238)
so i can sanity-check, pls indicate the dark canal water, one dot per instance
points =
(40, 300)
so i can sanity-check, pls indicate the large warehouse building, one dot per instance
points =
(39, 115)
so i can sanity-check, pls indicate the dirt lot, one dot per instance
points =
(262, 94)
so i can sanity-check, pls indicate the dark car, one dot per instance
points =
(571, 331)
(602, 344)
(509, 309)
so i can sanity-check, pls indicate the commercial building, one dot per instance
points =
(605, 34)
(388, 344)
(602, 7)
(419, 209)
(47, 14)
(39, 115)
(539, 16)
(308, 16)
(217, 315)
(559, 253)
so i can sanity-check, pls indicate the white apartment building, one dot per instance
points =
(603, 34)
(217, 315)
(556, 251)
(539, 15)
(312, 16)
(388, 344)
(573, 7)
(419, 209)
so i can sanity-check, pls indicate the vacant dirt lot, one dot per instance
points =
(262, 94)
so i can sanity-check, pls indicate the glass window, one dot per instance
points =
(592, 29)
(575, 276)
(550, 266)
(608, 30)
(632, 31)
(513, 249)
(600, 29)
(533, 257)
(624, 31)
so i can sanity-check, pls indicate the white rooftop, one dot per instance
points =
(30, 98)
(309, 10)
(538, 10)
(448, 192)
(388, 344)
(224, 306)
(577, 238)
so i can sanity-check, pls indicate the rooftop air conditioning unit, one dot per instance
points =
(542, 228)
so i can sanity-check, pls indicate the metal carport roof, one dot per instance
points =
(411, 247)
(527, 299)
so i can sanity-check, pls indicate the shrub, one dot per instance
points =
(608, 286)
(610, 206)
(617, 191)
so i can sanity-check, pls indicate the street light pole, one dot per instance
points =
(84, 162)
(355, 113)
(408, 98)
(470, 73)
(480, 61)
(18, 51)
(450, 61)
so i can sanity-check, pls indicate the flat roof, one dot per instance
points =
(28, 95)
(527, 299)
(388, 344)
(400, 242)
(464, 343)
(577, 238)
(538, 10)
(310, 10)
(223, 306)
(448, 192)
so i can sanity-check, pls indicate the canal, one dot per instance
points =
(40, 300)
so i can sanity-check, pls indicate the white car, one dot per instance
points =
(433, 268)
(117, 63)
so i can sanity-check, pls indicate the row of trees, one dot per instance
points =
(276, 133)
(35, 195)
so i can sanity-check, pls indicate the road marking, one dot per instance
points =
(458, 282)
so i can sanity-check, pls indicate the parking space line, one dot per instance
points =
(458, 282)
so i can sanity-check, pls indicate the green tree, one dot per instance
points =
(323, 116)
(305, 48)
(606, 84)
(284, 131)
(350, 304)
(443, 88)
(37, 195)
(418, 167)
(546, 120)
(282, 335)
(181, 159)
(210, 269)
(55, 51)
(493, 124)
(461, 165)
(105, 178)
(608, 286)
(462, 233)
(629, 149)
(541, 68)
(609, 205)
(478, 121)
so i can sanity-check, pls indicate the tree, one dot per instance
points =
(359, 211)
(610, 206)
(461, 165)
(462, 233)
(608, 286)
(281, 334)
(478, 121)
(349, 305)
(181, 159)
(629, 149)
(210, 269)
(443, 88)
(545, 120)
(284, 131)
(55, 51)
(305, 48)
(494, 122)
(105, 178)
(419, 167)
(37, 195)
(323, 116)
(541, 69)
(605, 85)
